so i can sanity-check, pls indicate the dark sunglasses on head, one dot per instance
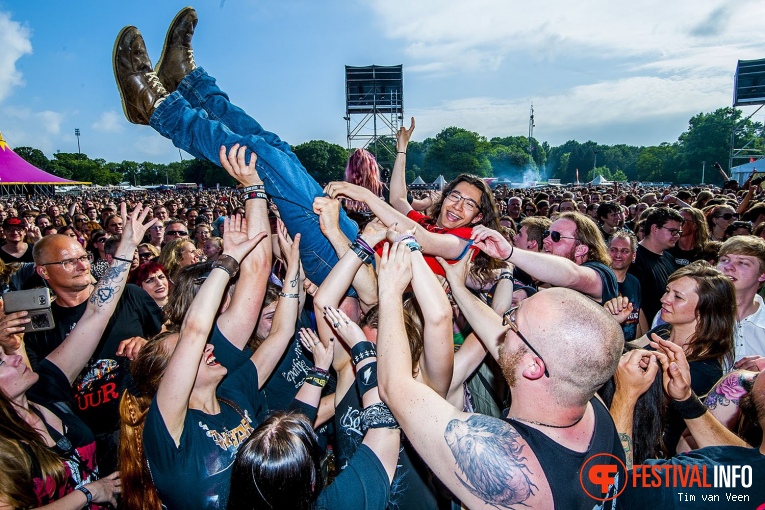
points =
(741, 224)
(555, 235)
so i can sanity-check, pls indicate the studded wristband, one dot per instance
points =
(228, 264)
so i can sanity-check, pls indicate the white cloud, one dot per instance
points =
(109, 122)
(49, 121)
(15, 43)
(151, 145)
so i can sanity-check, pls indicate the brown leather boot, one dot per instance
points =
(139, 87)
(177, 58)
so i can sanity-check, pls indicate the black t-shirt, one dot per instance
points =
(607, 277)
(362, 484)
(197, 472)
(630, 288)
(23, 278)
(97, 389)
(50, 392)
(684, 257)
(25, 257)
(652, 271)
(411, 487)
(666, 497)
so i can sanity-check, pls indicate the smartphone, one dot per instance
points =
(36, 302)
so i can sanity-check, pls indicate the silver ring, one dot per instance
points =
(336, 325)
(347, 322)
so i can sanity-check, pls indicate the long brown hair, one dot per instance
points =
(715, 312)
(138, 491)
(22, 447)
(588, 234)
(413, 325)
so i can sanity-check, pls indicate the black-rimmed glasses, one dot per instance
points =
(555, 236)
(508, 319)
(456, 196)
(673, 231)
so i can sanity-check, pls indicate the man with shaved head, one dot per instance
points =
(555, 349)
(63, 263)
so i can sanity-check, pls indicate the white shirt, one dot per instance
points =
(749, 334)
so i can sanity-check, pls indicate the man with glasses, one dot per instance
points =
(175, 229)
(555, 350)
(574, 256)
(654, 262)
(15, 248)
(64, 265)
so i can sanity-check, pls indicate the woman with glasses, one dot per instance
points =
(47, 454)
(718, 219)
(147, 252)
(699, 309)
(97, 248)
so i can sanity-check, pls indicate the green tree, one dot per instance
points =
(658, 163)
(34, 157)
(324, 161)
(456, 151)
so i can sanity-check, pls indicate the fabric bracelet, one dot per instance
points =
(413, 245)
(366, 378)
(129, 261)
(690, 408)
(254, 187)
(512, 249)
(319, 370)
(316, 380)
(362, 351)
(254, 195)
(378, 416)
(505, 276)
(404, 237)
(361, 242)
(285, 295)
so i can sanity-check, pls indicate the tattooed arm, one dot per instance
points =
(482, 460)
(75, 351)
(724, 397)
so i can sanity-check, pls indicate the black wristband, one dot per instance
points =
(365, 257)
(378, 416)
(129, 261)
(690, 408)
(512, 249)
(362, 351)
(254, 187)
(87, 493)
(366, 378)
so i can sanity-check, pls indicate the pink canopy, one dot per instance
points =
(15, 170)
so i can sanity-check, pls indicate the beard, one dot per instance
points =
(509, 361)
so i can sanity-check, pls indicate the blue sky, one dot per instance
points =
(612, 72)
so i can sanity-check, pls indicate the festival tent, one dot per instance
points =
(17, 176)
(742, 172)
(418, 183)
(599, 180)
(439, 183)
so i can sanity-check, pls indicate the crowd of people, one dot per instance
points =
(362, 345)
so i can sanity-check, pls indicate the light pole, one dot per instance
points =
(77, 134)
(595, 163)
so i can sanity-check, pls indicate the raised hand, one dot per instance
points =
(233, 163)
(328, 210)
(134, 229)
(395, 270)
(620, 307)
(347, 330)
(290, 248)
(374, 232)
(491, 242)
(236, 243)
(456, 274)
(130, 347)
(338, 189)
(12, 329)
(322, 354)
(402, 137)
(636, 372)
(677, 371)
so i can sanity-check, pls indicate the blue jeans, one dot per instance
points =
(199, 118)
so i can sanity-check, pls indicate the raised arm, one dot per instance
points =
(473, 455)
(398, 176)
(705, 428)
(437, 359)
(178, 381)
(447, 246)
(75, 351)
(486, 324)
(552, 269)
(239, 320)
(267, 356)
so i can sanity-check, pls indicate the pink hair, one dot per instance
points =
(363, 170)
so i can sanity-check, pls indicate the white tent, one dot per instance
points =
(599, 180)
(742, 172)
(439, 183)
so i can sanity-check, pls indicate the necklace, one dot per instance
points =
(551, 426)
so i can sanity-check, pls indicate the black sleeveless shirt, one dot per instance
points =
(563, 467)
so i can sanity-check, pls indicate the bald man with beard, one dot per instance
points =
(555, 350)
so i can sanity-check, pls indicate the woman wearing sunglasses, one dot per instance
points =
(718, 219)
(48, 455)
(97, 247)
